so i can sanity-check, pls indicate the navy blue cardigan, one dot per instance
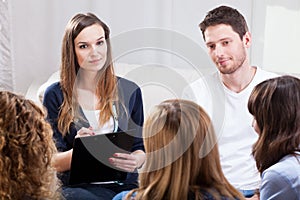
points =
(130, 98)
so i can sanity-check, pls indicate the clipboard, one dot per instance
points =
(90, 157)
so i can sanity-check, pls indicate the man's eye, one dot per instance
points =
(100, 42)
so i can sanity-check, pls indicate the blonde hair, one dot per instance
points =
(106, 80)
(26, 150)
(182, 155)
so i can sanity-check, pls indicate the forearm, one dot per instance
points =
(62, 161)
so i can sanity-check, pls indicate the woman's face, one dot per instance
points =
(255, 126)
(91, 48)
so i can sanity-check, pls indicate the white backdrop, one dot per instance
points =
(37, 28)
(6, 66)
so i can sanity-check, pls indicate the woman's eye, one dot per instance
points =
(83, 46)
(211, 46)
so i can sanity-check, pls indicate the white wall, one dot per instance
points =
(6, 66)
(38, 26)
(276, 31)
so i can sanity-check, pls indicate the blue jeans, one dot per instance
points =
(248, 193)
(121, 195)
(94, 191)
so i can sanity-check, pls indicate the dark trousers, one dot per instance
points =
(95, 191)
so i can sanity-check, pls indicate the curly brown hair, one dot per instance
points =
(26, 150)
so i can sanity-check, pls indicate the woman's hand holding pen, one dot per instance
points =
(124, 161)
(128, 162)
(62, 160)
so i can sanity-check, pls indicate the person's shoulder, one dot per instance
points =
(205, 80)
(54, 86)
(125, 80)
(53, 89)
(204, 90)
(265, 74)
(289, 164)
(126, 84)
(287, 168)
(281, 179)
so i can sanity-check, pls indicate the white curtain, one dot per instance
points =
(6, 64)
(38, 27)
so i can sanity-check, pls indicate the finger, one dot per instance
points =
(127, 168)
(85, 132)
(117, 161)
(124, 156)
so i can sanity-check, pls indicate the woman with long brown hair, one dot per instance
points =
(182, 156)
(90, 99)
(26, 151)
(275, 106)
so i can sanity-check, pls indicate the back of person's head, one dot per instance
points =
(275, 105)
(26, 150)
(225, 15)
(182, 154)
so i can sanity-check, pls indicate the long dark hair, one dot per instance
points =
(275, 105)
(106, 84)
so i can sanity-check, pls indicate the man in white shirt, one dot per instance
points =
(224, 94)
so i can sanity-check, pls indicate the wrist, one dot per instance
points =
(140, 158)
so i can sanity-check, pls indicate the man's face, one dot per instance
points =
(226, 48)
